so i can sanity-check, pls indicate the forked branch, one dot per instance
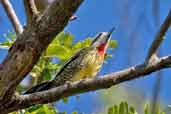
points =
(159, 37)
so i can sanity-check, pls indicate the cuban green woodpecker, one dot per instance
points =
(83, 64)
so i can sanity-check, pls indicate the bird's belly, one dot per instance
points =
(88, 71)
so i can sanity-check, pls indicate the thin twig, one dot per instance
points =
(159, 37)
(12, 16)
(31, 11)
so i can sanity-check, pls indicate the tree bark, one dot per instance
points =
(27, 49)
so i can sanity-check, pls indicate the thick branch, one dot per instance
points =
(159, 37)
(87, 85)
(28, 47)
(12, 16)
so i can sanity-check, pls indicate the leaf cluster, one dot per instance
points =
(124, 108)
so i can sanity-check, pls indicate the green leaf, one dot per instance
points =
(48, 109)
(41, 112)
(111, 110)
(132, 110)
(53, 67)
(107, 56)
(61, 36)
(34, 108)
(60, 52)
(61, 113)
(65, 100)
(126, 108)
(121, 108)
(113, 44)
(6, 44)
(75, 112)
(20, 88)
(9, 40)
(11, 36)
(86, 42)
(78, 45)
(67, 39)
(41, 109)
(13, 113)
(46, 74)
(146, 110)
(61, 46)
(55, 41)
(116, 109)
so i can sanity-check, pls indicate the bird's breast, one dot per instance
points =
(91, 64)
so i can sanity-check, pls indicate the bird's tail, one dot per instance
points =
(40, 87)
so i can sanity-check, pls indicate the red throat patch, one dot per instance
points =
(101, 49)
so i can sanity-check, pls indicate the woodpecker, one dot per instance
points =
(85, 63)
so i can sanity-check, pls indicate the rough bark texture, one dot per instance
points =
(28, 47)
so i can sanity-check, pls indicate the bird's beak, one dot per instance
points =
(110, 33)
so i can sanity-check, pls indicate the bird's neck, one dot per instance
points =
(102, 49)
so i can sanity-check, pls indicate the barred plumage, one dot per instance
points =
(84, 64)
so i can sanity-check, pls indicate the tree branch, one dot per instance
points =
(27, 49)
(86, 85)
(159, 37)
(30, 10)
(12, 16)
(102, 82)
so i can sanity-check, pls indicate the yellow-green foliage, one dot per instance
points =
(124, 108)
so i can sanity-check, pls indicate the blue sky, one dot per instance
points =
(135, 30)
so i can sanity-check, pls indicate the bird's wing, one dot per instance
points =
(74, 57)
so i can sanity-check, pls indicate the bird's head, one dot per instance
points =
(101, 41)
